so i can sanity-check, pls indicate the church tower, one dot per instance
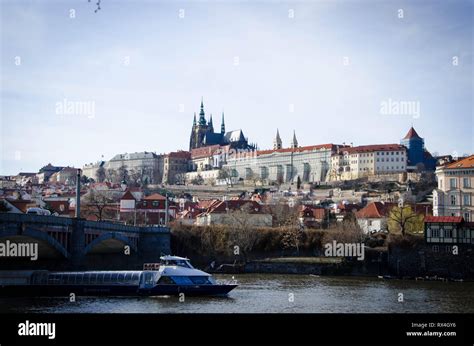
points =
(277, 141)
(222, 125)
(199, 130)
(294, 142)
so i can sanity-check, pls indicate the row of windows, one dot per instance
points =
(460, 172)
(86, 278)
(466, 200)
(379, 153)
(153, 203)
(453, 183)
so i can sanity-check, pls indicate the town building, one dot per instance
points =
(46, 172)
(147, 165)
(417, 156)
(455, 193)
(66, 175)
(374, 216)
(448, 230)
(90, 170)
(175, 166)
(309, 163)
(350, 163)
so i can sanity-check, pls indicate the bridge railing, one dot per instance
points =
(63, 221)
(29, 218)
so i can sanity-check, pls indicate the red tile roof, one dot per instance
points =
(375, 147)
(467, 162)
(180, 154)
(375, 210)
(444, 219)
(205, 151)
(128, 196)
(299, 149)
(206, 204)
(380, 209)
(318, 213)
(155, 197)
(222, 206)
(411, 134)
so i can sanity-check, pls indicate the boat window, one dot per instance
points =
(107, 277)
(149, 278)
(100, 278)
(79, 278)
(135, 277)
(182, 280)
(200, 280)
(179, 263)
(86, 279)
(53, 279)
(121, 277)
(39, 278)
(165, 280)
(93, 278)
(70, 279)
(114, 277)
(63, 279)
(128, 277)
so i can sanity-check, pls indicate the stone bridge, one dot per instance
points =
(75, 240)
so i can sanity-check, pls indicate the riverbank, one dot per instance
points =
(324, 266)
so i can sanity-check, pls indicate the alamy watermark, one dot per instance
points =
(336, 249)
(398, 107)
(9, 249)
(67, 107)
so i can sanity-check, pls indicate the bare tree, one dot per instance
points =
(97, 203)
(284, 213)
(111, 175)
(100, 174)
(135, 177)
(292, 238)
(198, 180)
(225, 174)
(254, 178)
(122, 174)
(180, 178)
(242, 234)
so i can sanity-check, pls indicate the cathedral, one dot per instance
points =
(203, 134)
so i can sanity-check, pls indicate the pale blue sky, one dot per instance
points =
(282, 61)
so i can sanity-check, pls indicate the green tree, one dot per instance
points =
(402, 219)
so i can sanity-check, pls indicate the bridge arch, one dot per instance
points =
(12, 233)
(109, 237)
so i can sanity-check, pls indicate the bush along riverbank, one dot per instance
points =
(289, 250)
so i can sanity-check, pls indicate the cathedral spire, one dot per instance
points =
(202, 119)
(194, 121)
(277, 141)
(211, 126)
(222, 124)
(294, 142)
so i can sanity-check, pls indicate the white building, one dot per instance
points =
(454, 195)
(363, 161)
(309, 163)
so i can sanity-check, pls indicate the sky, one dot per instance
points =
(323, 69)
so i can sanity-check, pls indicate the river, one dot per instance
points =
(271, 293)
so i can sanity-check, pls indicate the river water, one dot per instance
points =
(270, 293)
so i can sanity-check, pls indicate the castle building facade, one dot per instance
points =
(417, 155)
